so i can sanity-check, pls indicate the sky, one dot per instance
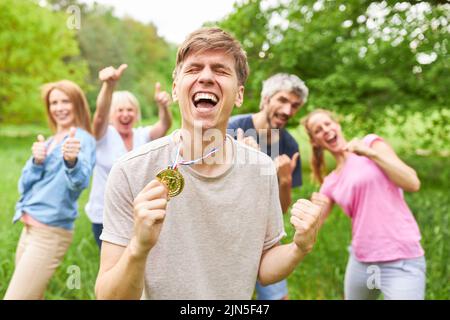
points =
(174, 19)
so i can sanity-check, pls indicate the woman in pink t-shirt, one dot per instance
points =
(368, 183)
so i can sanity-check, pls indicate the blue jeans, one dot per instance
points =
(276, 291)
(97, 229)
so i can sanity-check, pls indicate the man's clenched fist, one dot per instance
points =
(320, 199)
(305, 218)
(149, 213)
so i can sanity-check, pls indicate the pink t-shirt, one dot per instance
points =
(383, 227)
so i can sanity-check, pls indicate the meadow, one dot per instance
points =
(319, 276)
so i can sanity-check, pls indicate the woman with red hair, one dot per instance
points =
(50, 185)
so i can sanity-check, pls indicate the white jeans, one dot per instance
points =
(397, 280)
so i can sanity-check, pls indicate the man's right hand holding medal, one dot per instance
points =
(149, 213)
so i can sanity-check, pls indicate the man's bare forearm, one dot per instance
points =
(279, 262)
(125, 280)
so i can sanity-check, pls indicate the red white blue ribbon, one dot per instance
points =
(189, 162)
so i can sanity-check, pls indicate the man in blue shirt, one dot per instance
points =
(281, 98)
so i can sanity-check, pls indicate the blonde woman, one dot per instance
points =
(115, 117)
(368, 183)
(50, 185)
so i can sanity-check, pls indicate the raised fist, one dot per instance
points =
(320, 199)
(149, 213)
(305, 217)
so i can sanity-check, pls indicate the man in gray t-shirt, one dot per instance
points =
(215, 238)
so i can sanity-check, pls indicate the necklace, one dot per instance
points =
(172, 178)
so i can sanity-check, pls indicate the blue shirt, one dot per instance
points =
(286, 144)
(49, 191)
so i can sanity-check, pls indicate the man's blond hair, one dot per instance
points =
(213, 39)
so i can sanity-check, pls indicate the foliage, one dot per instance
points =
(369, 61)
(107, 40)
(38, 45)
(28, 31)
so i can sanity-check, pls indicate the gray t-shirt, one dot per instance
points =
(214, 232)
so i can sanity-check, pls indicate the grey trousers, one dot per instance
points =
(397, 280)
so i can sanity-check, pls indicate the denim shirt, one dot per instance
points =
(49, 191)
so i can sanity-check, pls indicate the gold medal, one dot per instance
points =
(173, 180)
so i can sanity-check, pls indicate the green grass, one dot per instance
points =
(319, 276)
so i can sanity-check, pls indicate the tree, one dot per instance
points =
(366, 60)
(108, 40)
(36, 47)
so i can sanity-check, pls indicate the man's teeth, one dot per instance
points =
(205, 96)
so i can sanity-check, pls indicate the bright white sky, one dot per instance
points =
(175, 19)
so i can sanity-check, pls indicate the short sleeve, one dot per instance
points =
(118, 218)
(370, 139)
(275, 225)
(326, 189)
(243, 122)
(104, 139)
(233, 123)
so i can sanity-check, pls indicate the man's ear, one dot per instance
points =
(174, 92)
(264, 103)
(239, 97)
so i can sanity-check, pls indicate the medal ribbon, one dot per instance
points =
(189, 162)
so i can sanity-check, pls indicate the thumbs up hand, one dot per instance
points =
(71, 148)
(162, 98)
(286, 166)
(39, 150)
(111, 74)
(249, 141)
